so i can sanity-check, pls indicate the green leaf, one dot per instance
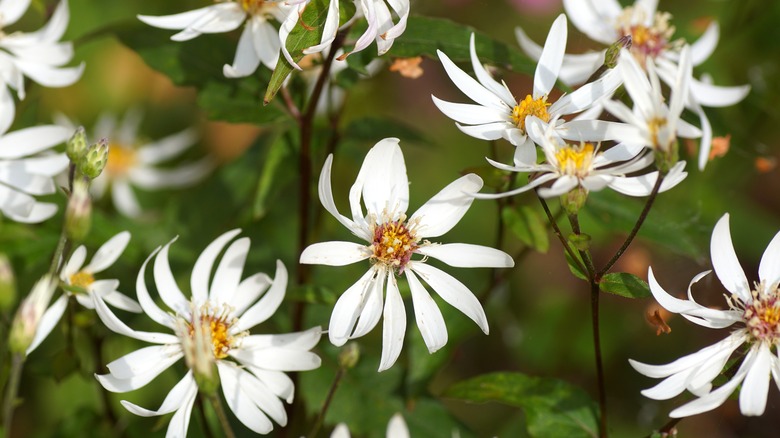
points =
(553, 408)
(274, 158)
(426, 35)
(624, 284)
(373, 129)
(528, 226)
(574, 267)
(237, 103)
(306, 33)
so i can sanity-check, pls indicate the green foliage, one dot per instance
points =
(624, 284)
(527, 225)
(553, 408)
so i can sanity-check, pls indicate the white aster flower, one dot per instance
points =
(133, 162)
(653, 124)
(755, 309)
(396, 428)
(28, 168)
(74, 275)
(38, 55)
(377, 13)
(584, 166)
(498, 114)
(605, 21)
(391, 240)
(211, 330)
(259, 42)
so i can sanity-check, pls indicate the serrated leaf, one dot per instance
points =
(426, 35)
(553, 408)
(624, 284)
(528, 226)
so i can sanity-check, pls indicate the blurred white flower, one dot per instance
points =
(605, 21)
(584, 166)
(391, 241)
(133, 162)
(211, 331)
(73, 275)
(755, 309)
(30, 314)
(259, 41)
(396, 428)
(498, 114)
(377, 13)
(37, 55)
(28, 168)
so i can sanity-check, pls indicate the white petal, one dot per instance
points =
(341, 431)
(279, 359)
(551, 59)
(725, 262)
(267, 305)
(167, 147)
(124, 199)
(229, 271)
(116, 325)
(372, 309)
(594, 19)
(12, 10)
(175, 21)
(166, 284)
(326, 197)
(486, 80)
(334, 253)
(116, 384)
(305, 340)
(30, 141)
(587, 95)
(74, 264)
(446, 208)
(233, 380)
(394, 325)
(396, 428)
(184, 391)
(705, 45)
(562, 185)
(693, 360)
(348, 308)
(181, 419)
(716, 96)
(249, 290)
(469, 86)
(471, 114)
(454, 293)
(464, 255)
(488, 131)
(145, 300)
(48, 321)
(599, 130)
(769, 268)
(246, 59)
(141, 361)
(382, 179)
(276, 381)
(121, 301)
(108, 253)
(429, 318)
(201, 272)
(755, 387)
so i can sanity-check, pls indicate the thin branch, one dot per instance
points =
(558, 233)
(326, 404)
(594, 312)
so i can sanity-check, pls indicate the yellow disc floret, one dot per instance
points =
(217, 323)
(254, 7)
(646, 41)
(394, 243)
(762, 315)
(575, 160)
(121, 159)
(530, 107)
(81, 279)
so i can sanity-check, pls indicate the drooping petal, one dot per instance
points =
(30, 141)
(144, 375)
(201, 272)
(725, 262)
(372, 309)
(348, 308)
(116, 325)
(246, 59)
(769, 268)
(703, 47)
(464, 255)
(234, 382)
(446, 208)
(326, 198)
(141, 361)
(166, 284)
(145, 300)
(180, 395)
(124, 198)
(121, 301)
(471, 114)
(267, 305)
(475, 90)
(334, 253)
(429, 318)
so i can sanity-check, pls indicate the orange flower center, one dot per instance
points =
(394, 243)
(762, 316)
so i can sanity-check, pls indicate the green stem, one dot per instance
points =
(558, 233)
(11, 391)
(202, 416)
(326, 404)
(640, 220)
(216, 403)
(594, 311)
(666, 428)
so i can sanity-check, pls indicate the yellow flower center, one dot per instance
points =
(659, 135)
(121, 159)
(217, 324)
(762, 316)
(394, 243)
(81, 279)
(254, 7)
(645, 41)
(530, 107)
(575, 160)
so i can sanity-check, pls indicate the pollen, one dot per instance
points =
(530, 107)
(81, 279)
(394, 243)
(646, 41)
(121, 159)
(216, 322)
(575, 160)
(254, 7)
(762, 315)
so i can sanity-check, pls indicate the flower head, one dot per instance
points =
(211, 331)
(30, 317)
(391, 240)
(498, 114)
(259, 40)
(133, 162)
(755, 310)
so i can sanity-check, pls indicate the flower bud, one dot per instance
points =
(29, 314)
(666, 158)
(7, 284)
(94, 160)
(612, 54)
(349, 355)
(77, 145)
(573, 201)
(78, 214)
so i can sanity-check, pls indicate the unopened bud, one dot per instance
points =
(613, 51)
(78, 214)
(29, 314)
(666, 158)
(94, 160)
(77, 145)
(7, 284)
(349, 355)
(573, 201)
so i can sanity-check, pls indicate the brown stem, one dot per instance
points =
(326, 404)
(594, 311)
(558, 233)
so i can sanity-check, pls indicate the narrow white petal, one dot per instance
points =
(12, 10)
(305, 340)
(30, 141)
(166, 284)
(382, 177)
(714, 398)
(145, 300)
(446, 208)
(141, 361)
(74, 264)
(348, 307)
(279, 359)
(277, 381)
(594, 18)
(115, 384)
(175, 21)
(755, 387)
(394, 325)
(334, 253)
(180, 421)
(693, 360)
(109, 252)
(249, 290)
(167, 147)
(469, 86)
(587, 95)
(703, 47)
(122, 301)
(116, 325)
(178, 396)
(267, 305)
(326, 196)
(486, 80)
(48, 321)
(201, 272)
(229, 271)
(372, 309)
(769, 268)
(464, 255)
(454, 293)
(725, 262)
(341, 431)
(246, 59)
(551, 58)
(471, 114)
(429, 318)
(233, 381)
(488, 131)
(717, 96)
(124, 199)
(564, 184)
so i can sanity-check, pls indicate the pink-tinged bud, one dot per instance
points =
(78, 214)
(7, 284)
(29, 314)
